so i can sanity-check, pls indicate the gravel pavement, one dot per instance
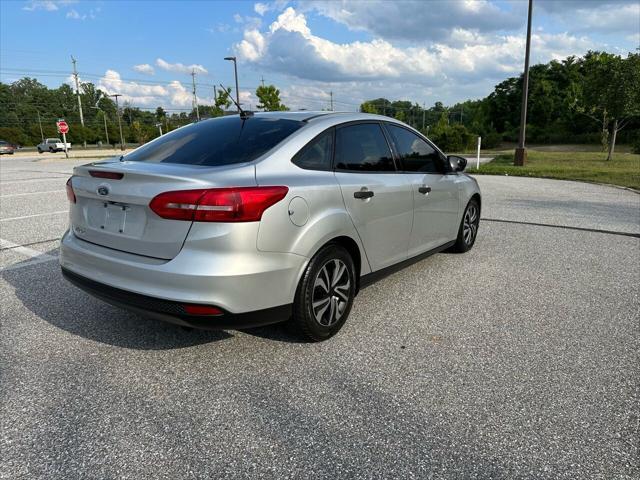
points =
(518, 359)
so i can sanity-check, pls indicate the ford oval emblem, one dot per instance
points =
(103, 190)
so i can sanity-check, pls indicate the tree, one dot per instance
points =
(269, 97)
(610, 92)
(368, 107)
(223, 101)
(160, 114)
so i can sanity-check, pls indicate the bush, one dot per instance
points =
(491, 139)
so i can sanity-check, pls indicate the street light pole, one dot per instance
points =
(521, 152)
(235, 70)
(116, 95)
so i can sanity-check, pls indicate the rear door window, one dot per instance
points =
(415, 154)
(363, 148)
(218, 141)
(316, 155)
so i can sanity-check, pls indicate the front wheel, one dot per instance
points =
(40, 150)
(468, 230)
(325, 294)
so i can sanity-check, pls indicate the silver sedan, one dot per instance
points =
(249, 220)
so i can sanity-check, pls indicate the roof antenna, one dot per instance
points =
(244, 114)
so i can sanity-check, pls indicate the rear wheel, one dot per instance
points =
(468, 228)
(325, 294)
(51, 150)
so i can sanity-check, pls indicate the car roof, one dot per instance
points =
(310, 115)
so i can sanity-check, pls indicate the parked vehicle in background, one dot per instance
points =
(52, 145)
(7, 147)
(235, 222)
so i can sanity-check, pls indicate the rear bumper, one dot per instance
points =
(174, 312)
(237, 282)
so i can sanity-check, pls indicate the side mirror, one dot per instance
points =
(457, 163)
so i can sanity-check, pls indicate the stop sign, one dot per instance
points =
(63, 127)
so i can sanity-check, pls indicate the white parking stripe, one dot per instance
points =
(36, 256)
(30, 193)
(31, 216)
(32, 180)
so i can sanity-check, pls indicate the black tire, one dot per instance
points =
(317, 324)
(40, 151)
(468, 230)
(51, 150)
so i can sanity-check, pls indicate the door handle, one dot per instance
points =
(363, 194)
(424, 190)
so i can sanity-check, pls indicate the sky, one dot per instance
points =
(423, 51)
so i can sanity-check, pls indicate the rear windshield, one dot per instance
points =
(218, 141)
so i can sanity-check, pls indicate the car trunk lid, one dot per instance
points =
(112, 202)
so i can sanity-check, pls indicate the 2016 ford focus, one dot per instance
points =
(249, 220)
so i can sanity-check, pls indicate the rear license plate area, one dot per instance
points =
(114, 218)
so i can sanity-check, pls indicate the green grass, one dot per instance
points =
(623, 169)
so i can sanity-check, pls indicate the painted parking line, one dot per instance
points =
(35, 256)
(32, 180)
(29, 193)
(34, 215)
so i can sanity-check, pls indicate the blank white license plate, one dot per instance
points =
(115, 218)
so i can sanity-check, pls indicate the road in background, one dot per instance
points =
(517, 359)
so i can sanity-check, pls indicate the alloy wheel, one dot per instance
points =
(331, 290)
(470, 224)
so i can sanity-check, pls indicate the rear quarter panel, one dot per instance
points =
(314, 200)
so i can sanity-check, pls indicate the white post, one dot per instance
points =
(64, 139)
(478, 157)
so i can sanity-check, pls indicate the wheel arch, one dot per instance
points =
(476, 196)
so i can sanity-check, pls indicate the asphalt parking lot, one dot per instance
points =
(519, 359)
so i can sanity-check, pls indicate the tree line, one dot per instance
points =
(29, 110)
(590, 99)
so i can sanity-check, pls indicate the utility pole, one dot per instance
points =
(521, 152)
(106, 132)
(195, 97)
(116, 95)
(331, 97)
(423, 112)
(75, 76)
(159, 125)
(262, 80)
(40, 123)
(215, 95)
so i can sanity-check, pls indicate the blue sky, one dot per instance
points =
(423, 51)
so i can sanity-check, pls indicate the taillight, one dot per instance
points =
(70, 194)
(235, 204)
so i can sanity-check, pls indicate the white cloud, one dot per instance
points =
(247, 99)
(47, 5)
(74, 15)
(261, 8)
(180, 68)
(171, 95)
(144, 68)
(471, 61)
(416, 20)
(248, 21)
